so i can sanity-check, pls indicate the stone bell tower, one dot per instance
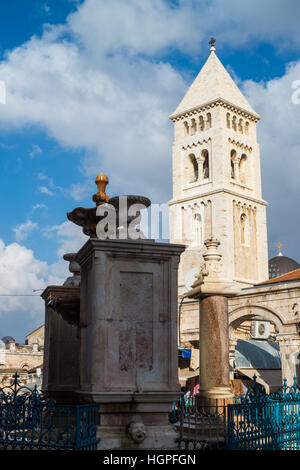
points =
(216, 178)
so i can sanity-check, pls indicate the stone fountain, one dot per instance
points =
(127, 325)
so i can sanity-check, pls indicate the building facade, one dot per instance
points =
(217, 193)
(25, 359)
(216, 178)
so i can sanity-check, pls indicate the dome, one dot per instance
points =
(7, 339)
(281, 265)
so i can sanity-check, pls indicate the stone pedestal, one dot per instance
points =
(214, 349)
(61, 350)
(129, 340)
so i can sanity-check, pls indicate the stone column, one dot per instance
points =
(214, 348)
(129, 358)
(213, 290)
(232, 346)
(200, 162)
(290, 356)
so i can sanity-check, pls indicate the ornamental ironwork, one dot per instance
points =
(29, 420)
(268, 422)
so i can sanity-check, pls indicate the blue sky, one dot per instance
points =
(90, 86)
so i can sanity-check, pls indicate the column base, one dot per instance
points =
(116, 438)
(215, 393)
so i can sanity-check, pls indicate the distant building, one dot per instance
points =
(281, 265)
(25, 359)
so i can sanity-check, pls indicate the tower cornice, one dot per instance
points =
(211, 104)
(216, 191)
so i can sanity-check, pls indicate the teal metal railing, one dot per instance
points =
(28, 420)
(258, 421)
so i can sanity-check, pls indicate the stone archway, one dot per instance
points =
(240, 314)
(252, 312)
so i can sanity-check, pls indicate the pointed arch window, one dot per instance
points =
(228, 120)
(241, 126)
(247, 128)
(208, 121)
(243, 168)
(234, 123)
(201, 123)
(186, 128)
(244, 228)
(205, 158)
(193, 127)
(193, 169)
(232, 163)
(197, 219)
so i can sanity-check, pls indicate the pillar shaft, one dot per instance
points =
(214, 347)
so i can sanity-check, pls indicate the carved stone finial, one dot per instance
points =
(74, 268)
(212, 266)
(212, 250)
(100, 197)
(212, 44)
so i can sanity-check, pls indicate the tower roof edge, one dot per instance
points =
(211, 104)
(213, 82)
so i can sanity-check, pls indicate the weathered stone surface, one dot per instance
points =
(61, 358)
(129, 345)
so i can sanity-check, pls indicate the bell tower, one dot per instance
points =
(216, 178)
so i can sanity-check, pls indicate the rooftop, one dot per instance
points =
(289, 276)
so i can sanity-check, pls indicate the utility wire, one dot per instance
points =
(19, 295)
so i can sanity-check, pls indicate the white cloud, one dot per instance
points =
(92, 83)
(39, 206)
(20, 274)
(278, 134)
(45, 190)
(22, 231)
(36, 149)
(114, 108)
(151, 26)
(69, 236)
(50, 188)
(46, 9)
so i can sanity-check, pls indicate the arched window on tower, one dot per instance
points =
(193, 169)
(241, 126)
(193, 127)
(228, 120)
(205, 158)
(208, 121)
(201, 123)
(198, 229)
(234, 123)
(247, 128)
(244, 229)
(243, 168)
(232, 163)
(186, 128)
